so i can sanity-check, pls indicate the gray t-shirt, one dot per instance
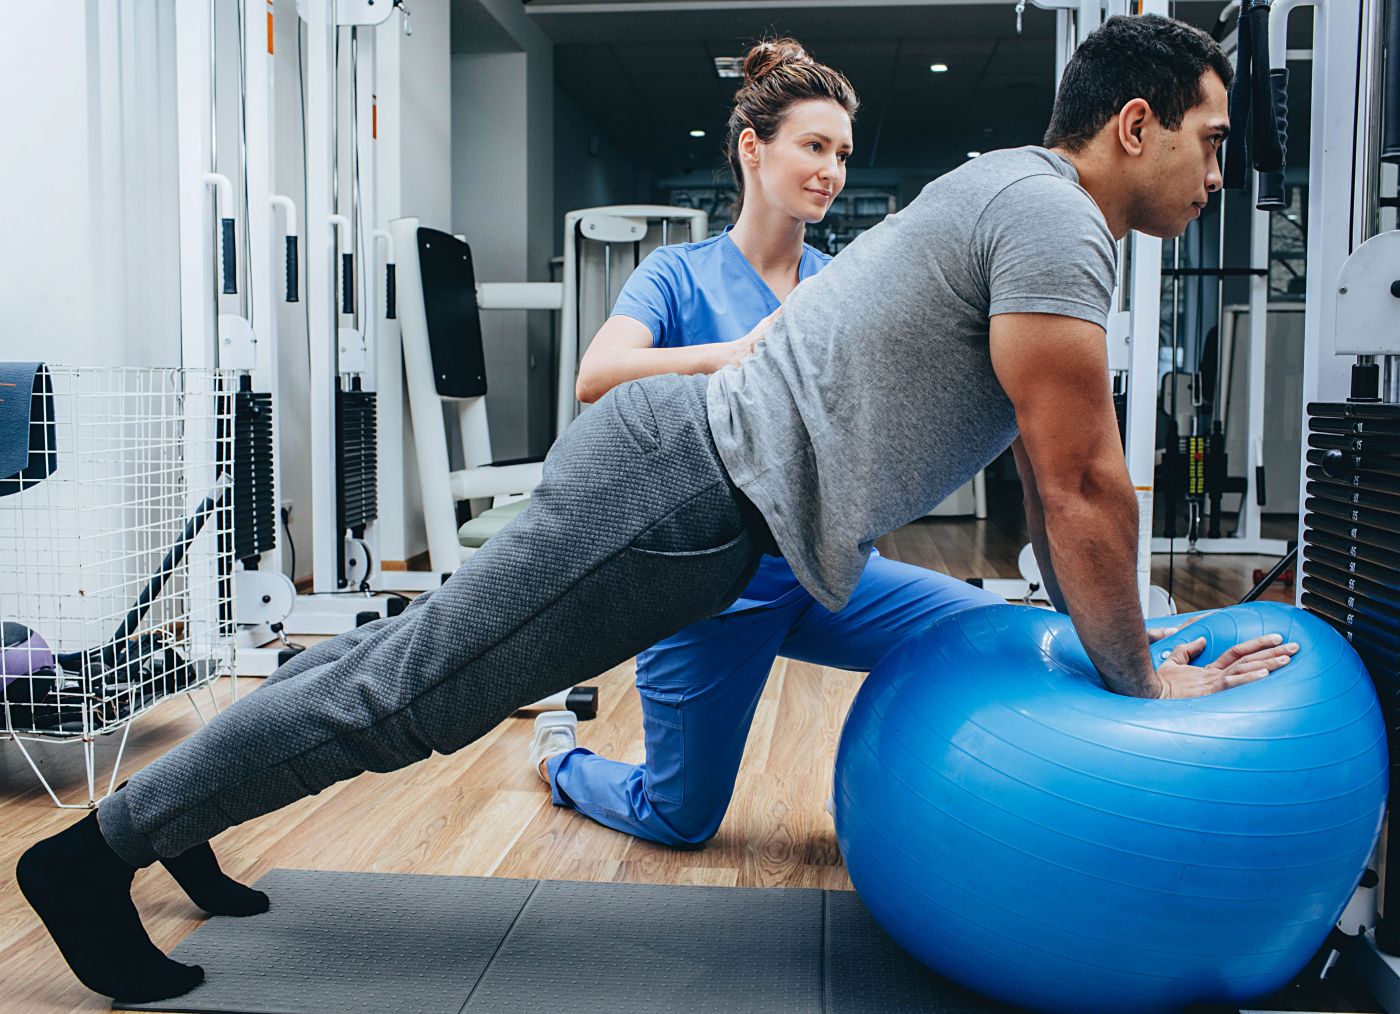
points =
(873, 396)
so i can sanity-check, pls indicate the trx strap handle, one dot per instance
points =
(1390, 122)
(230, 256)
(1253, 116)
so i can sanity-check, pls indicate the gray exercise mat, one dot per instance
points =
(336, 943)
(868, 973)
(643, 948)
(375, 942)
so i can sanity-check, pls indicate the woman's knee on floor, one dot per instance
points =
(687, 825)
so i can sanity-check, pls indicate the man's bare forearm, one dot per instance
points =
(1094, 535)
(1035, 524)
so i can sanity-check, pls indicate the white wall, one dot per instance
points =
(589, 170)
(89, 269)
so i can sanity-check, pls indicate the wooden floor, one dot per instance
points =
(484, 812)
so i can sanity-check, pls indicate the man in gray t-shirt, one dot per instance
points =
(839, 436)
(974, 320)
(971, 320)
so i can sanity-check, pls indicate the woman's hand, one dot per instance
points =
(735, 352)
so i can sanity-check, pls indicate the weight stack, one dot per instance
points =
(254, 499)
(357, 451)
(1351, 568)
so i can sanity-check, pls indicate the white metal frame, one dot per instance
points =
(571, 346)
(441, 487)
(1248, 537)
(1132, 330)
(210, 336)
(1338, 165)
(341, 345)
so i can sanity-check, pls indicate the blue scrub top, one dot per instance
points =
(696, 293)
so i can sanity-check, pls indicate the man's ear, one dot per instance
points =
(1133, 120)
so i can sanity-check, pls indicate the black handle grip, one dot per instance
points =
(293, 275)
(1260, 496)
(230, 256)
(1265, 149)
(347, 283)
(391, 294)
(1270, 196)
(1390, 115)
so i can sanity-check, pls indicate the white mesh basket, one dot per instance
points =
(116, 566)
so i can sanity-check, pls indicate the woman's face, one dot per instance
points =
(804, 167)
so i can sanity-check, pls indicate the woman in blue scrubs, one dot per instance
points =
(696, 308)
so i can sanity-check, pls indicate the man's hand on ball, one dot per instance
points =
(1244, 663)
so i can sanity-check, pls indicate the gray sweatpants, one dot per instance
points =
(634, 532)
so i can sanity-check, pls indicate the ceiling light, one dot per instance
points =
(938, 68)
(697, 133)
(973, 154)
(729, 66)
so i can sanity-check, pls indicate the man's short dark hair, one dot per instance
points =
(1160, 60)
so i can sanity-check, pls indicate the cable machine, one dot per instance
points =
(1132, 328)
(1349, 528)
(238, 256)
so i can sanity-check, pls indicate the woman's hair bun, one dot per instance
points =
(770, 54)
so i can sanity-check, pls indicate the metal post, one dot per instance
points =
(266, 282)
(1250, 522)
(321, 289)
(1145, 308)
(1336, 28)
(194, 92)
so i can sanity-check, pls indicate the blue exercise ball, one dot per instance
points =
(1031, 835)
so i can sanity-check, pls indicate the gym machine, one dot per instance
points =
(233, 227)
(349, 307)
(602, 247)
(1132, 331)
(440, 303)
(1195, 470)
(1349, 528)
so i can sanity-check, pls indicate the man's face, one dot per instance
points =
(1181, 168)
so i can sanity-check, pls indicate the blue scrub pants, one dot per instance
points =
(700, 688)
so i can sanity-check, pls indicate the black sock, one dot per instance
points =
(197, 871)
(81, 890)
